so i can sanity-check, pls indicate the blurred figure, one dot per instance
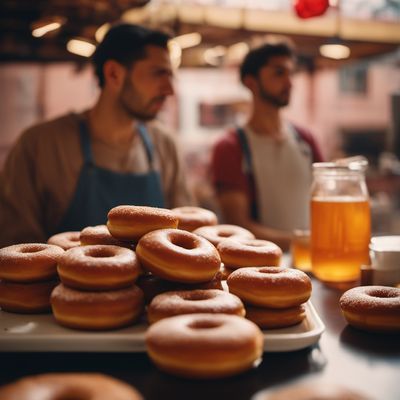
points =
(262, 170)
(66, 174)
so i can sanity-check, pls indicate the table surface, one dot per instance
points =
(365, 362)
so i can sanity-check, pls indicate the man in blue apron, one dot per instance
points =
(66, 174)
(262, 170)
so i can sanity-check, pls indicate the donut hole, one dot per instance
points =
(185, 242)
(73, 393)
(254, 243)
(31, 249)
(382, 294)
(269, 270)
(225, 234)
(204, 324)
(101, 253)
(197, 296)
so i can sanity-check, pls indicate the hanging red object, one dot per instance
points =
(310, 8)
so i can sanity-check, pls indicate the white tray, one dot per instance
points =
(41, 333)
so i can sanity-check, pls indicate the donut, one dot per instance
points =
(215, 234)
(26, 298)
(66, 240)
(98, 267)
(204, 345)
(237, 253)
(100, 234)
(372, 308)
(312, 390)
(193, 302)
(270, 318)
(153, 285)
(191, 218)
(130, 223)
(96, 310)
(29, 262)
(272, 287)
(178, 255)
(57, 386)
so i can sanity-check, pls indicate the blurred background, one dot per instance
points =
(346, 89)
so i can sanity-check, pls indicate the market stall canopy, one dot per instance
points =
(40, 30)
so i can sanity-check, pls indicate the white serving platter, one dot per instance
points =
(41, 333)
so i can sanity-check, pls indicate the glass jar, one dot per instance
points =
(340, 221)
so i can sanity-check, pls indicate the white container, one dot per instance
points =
(385, 252)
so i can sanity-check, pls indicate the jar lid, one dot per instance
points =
(356, 163)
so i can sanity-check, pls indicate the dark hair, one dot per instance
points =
(126, 43)
(259, 57)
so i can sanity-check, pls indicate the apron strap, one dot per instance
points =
(85, 142)
(248, 168)
(148, 144)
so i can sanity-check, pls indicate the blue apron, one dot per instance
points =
(99, 189)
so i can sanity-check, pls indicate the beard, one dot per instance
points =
(133, 105)
(277, 100)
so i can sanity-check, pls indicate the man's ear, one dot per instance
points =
(114, 74)
(250, 82)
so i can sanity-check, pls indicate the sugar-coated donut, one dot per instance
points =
(372, 308)
(193, 302)
(312, 390)
(130, 223)
(270, 318)
(26, 298)
(204, 345)
(29, 262)
(178, 255)
(191, 218)
(98, 267)
(58, 386)
(153, 285)
(237, 253)
(66, 240)
(272, 287)
(215, 234)
(100, 234)
(96, 310)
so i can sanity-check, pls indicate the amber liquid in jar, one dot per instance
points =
(340, 234)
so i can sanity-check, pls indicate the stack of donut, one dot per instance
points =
(273, 296)
(28, 274)
(97, 290)
(172, 258)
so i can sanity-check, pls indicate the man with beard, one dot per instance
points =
(66, 174)
(262, 170)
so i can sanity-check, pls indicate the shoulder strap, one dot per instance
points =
(85, 141)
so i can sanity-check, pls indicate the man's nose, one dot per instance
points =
(168, 87)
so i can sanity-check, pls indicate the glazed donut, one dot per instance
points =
(178, 255)
(272, 287)
(237, 253)
(82, 386)
(270, 318)
(65, 240)
(153, 285)
(191, 218)
(372, 308)
(100, 234)
(204, 345)
(96, 310)
(215, 234)
(312, 390)
(130, 223)
(29, 262)
(26, 298)
(98, 267)
(193, 302)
